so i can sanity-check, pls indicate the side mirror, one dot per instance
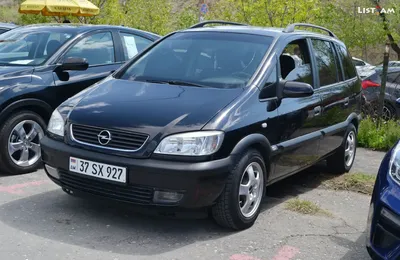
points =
(73, 64)
(294, 89)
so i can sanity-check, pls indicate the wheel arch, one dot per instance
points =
(260, 143)
(354, 119)
(38, 106)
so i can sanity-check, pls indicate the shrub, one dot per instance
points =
(382, 138)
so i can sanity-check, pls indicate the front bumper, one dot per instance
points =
(201, 183)
(383, 232)
(397, 107)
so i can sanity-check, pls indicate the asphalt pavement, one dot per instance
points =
(39, 221)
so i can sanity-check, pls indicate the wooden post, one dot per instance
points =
(383, 83)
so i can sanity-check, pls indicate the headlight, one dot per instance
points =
(394, 165)
(56, 124)
(192, 144)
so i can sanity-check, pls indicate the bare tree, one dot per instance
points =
(395, 46)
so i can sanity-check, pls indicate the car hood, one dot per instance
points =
(154, 109)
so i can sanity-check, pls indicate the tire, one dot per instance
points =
(341, 161)
(12, 160)
(230, 210)
(388, 112)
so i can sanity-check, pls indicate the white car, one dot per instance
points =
(364, 69)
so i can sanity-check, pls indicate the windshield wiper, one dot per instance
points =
(176, 82)
(1, 41)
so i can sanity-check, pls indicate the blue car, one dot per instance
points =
(383, 228)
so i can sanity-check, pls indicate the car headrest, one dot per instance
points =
(52, 47)
(287, 65)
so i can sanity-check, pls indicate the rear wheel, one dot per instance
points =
(343, 158)
(239, 204)
(388, 112)
(20, 143)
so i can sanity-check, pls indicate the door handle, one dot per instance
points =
(317, 111)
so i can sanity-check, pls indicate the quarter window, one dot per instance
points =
(326, 65)
(97, 49)
(270, 84)
(133, 44)
(348, 67)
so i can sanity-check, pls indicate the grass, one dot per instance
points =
(382, 138)
(355, 182)
(305, 207)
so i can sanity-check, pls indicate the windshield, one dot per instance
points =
(211, 59)
(30, 48)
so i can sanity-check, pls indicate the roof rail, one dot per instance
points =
(290, 28)
(202, 24)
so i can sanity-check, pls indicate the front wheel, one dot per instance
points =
(239, 204)
(20, 143)
(343, 158)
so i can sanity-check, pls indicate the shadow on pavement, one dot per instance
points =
(296, 185)
(3, 174)
(357, 250)
(104, 225)
(109, 226)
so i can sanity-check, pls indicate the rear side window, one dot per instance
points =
(393, 77)
(97, 49)
(325, 57)
(133, 44)
(358, 63)
(348, 67)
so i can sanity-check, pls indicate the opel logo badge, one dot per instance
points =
(104, 137)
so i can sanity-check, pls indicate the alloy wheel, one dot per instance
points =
(251, 189)
(387, 113)
(350, 148)
(24, 143)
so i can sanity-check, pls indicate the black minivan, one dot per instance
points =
(209, 117)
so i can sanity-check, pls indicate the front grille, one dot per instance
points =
(129, 193)
(390, 221)
(120, 140)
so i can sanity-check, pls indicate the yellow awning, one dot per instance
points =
(59, 7)
(87, 8)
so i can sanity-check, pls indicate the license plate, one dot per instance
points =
(98, 170)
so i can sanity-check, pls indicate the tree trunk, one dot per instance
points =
(393, 44)
(383, 83)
